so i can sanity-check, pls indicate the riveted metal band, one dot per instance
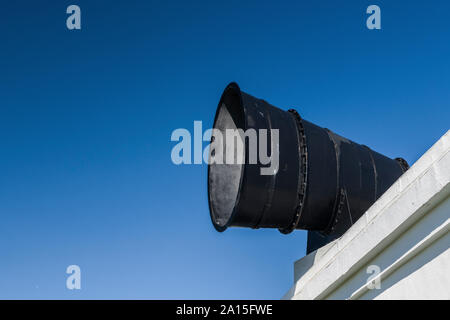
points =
(403, 164)
(303, 172)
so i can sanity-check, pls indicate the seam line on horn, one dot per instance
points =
(271, 182)
(337, 206)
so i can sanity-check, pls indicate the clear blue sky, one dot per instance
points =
(86, 117)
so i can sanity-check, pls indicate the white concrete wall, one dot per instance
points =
(423, 274)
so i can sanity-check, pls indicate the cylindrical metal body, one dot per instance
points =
(324, 182)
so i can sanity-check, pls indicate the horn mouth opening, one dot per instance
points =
(225, 179)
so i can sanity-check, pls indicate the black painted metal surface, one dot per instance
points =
(324, 183)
